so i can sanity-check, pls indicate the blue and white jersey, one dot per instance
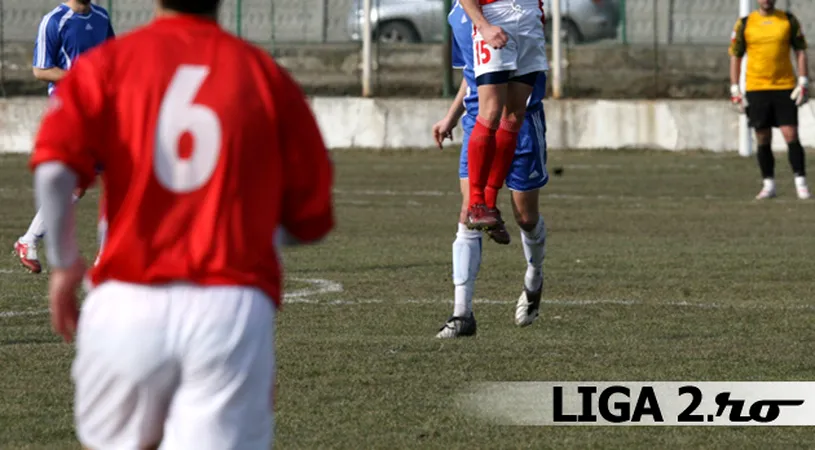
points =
(64, 35)
(462, 29)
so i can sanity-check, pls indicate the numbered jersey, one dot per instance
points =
(208, 148)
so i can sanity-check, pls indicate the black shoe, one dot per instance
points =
(458, 327)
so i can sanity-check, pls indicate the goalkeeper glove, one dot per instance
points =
(800, 94)
(737, 99)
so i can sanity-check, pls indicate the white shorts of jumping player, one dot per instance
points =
(188, 366)
(525, 51)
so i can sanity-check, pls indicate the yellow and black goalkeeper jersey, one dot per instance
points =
(767, 42)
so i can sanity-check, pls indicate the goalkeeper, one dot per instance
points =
(773, 91)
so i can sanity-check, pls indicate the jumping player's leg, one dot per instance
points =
(466, 257)
(527, 176)
(503, 95)
(533, 239)
(466, 264)
(493, 70)
(506, 138)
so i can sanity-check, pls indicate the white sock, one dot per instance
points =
(466, 263)
(769, 184)
(36, 231)
(800, 182)
(534, 244)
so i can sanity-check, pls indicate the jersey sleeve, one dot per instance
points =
(738, 46)
(797, 38)
(47, 45)
(70, 129)
(111, 33)
(308, 211)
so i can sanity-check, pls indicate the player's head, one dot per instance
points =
(201, 7)
(766, 5)
(84, 2)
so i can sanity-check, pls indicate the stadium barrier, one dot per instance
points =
(346, 122)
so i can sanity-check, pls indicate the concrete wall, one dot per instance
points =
(572, 124)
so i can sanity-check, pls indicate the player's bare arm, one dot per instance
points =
(803, 63)
(51, 75)
(443, 129)
(493, 35)
(799, 44)
(737, 50)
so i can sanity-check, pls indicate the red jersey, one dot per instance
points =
(207, 148)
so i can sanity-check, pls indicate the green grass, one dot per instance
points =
(659, 267)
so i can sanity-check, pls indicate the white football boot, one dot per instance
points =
(801, 188)
(528, 307)
(768, 190)
(27, 254)
(458, 327)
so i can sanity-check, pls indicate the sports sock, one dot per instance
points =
(766, 161)
(506, 141)
(36, 231)
(480, 154)
(534, 244)
(466, 262)
(796, 157)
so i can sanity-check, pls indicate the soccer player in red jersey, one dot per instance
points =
(211, 158)
(509, 53)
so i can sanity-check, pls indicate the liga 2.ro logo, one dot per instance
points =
(615, 404)
(644, 403)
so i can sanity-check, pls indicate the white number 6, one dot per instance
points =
(179, 115)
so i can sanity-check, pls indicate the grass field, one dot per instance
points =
(659, 267)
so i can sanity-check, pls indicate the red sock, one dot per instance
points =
(506, 140)
(480, 154)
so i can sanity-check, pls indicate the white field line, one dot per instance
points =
(557, 302)
(546, 195)
(317, 287)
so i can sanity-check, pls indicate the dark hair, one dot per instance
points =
(192, 6)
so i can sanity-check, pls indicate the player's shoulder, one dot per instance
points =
(101, 11)
(55, 15)
(791, 17)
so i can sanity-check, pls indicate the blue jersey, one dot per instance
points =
(64, 35)
(463, 59)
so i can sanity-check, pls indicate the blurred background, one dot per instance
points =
(612, 48)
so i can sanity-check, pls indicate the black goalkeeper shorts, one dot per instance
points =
(771, 109)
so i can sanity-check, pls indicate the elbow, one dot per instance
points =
(40, 74)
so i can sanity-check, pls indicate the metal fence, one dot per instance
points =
(657, 48)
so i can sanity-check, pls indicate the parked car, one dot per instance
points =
(424, 20)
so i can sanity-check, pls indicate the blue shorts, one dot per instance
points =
(528, 171)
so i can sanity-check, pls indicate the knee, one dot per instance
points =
(463, 215)
(514, 116)
(527, 220)
(791, 136)
(491, 113)
(490, 106)
(764, 137)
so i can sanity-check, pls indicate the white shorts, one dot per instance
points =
(191, 367)
(525, 51)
